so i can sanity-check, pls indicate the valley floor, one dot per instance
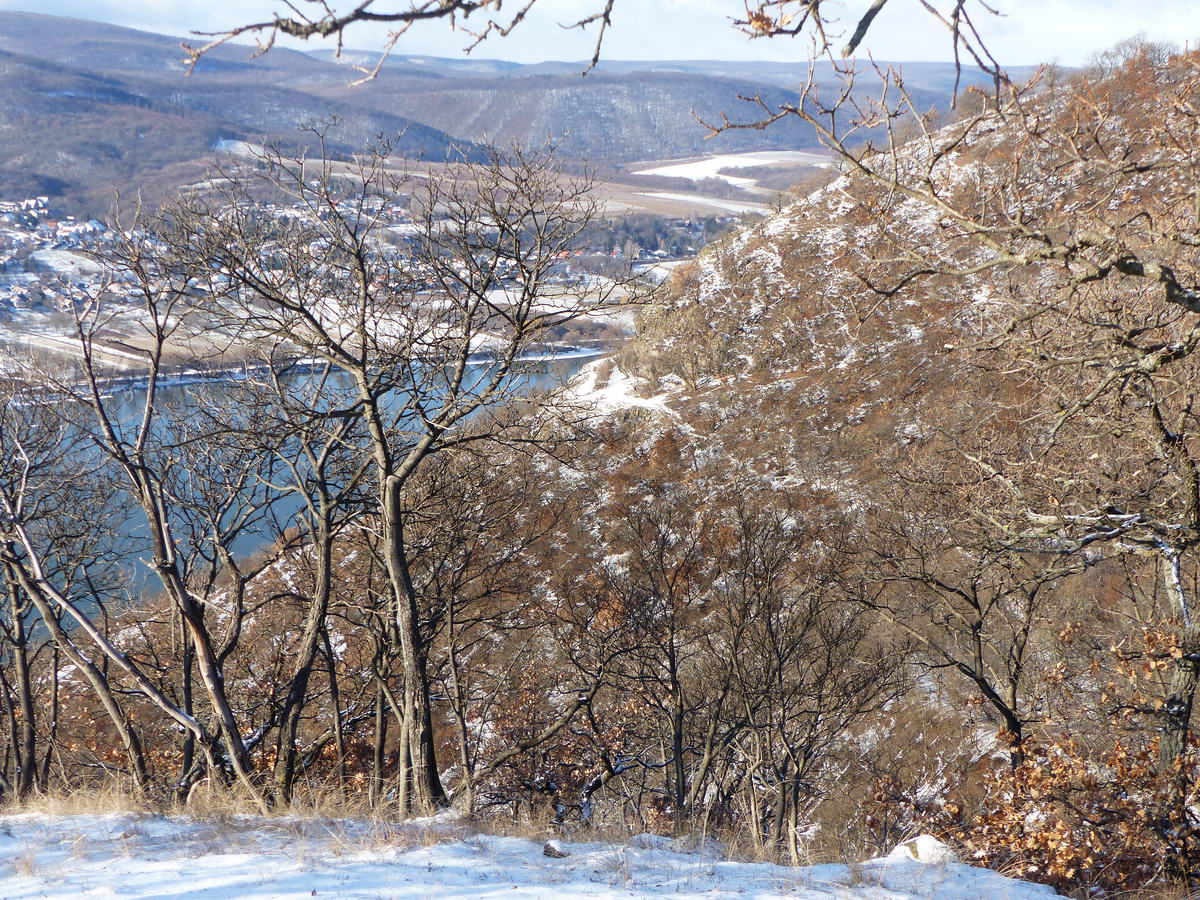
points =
(142, 856)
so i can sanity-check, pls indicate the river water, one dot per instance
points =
(191, 403)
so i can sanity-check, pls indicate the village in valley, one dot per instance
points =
(37, 249)
(49, 269)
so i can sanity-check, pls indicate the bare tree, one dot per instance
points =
(425, 338)
(940, 563)
(51, 494)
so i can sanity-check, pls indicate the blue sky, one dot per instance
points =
(1065, 31)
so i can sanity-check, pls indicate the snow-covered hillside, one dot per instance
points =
(271, 859)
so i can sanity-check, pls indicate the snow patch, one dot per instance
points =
(591, 388)
(142, 857)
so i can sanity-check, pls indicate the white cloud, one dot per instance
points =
(1029, 31)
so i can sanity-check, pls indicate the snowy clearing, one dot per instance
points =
(142, 856)
(239, 148)
(711, 166)
(602, 386)
(67, 262)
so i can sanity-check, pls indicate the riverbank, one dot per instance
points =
(188, 374)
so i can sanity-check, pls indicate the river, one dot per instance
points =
(185, 399)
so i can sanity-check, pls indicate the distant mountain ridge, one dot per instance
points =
(614, 118)
(87, 108)
(623, 110)
(938, 77)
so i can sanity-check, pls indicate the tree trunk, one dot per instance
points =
(52, 737)
(339, 738)
(188, 758)
(427, 790)
(1177, 715)
(306, 654)
(26, 746)
(378, 750)
(103, 691)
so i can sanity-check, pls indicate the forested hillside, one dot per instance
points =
(618, 118)
(969, 368)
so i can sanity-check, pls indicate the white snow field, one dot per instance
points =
(602, 386)
(711, 166)
(142, 856)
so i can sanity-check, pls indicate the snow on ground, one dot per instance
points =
(67, 262)
(604, 387)
(660, 270)
(238, 148)
(154, 858)
(711, 166)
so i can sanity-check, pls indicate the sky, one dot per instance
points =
(1029, 31)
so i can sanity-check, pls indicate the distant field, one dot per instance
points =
(698, 168)
(621, 198)
(652, 201)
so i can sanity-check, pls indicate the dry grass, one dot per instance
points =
(25, 863)
(315, 800)
(109, 798)
(205, 802)
(615, 865)
(541, 829)
(320, 822)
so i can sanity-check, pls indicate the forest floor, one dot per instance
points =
(150, 856)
